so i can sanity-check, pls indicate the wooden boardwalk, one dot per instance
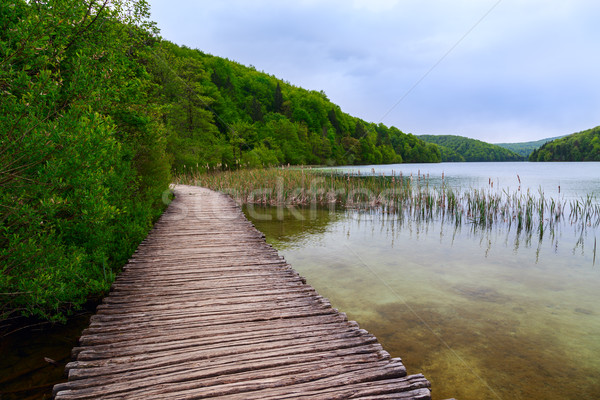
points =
(205, 308)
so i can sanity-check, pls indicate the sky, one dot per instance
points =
(494, 70)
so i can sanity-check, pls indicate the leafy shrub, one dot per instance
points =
(82, 159)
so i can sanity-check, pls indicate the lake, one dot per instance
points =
(575, 179)
(483, 313)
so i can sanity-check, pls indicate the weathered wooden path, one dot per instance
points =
(205, 308)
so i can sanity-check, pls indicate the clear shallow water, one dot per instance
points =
(576, 179)
(484, 314)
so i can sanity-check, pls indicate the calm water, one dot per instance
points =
(483, 314)
(575, 179)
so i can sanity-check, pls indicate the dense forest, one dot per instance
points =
(581, 146)
(459, 148)
(524, 149)
(97, 113)
(221, 114)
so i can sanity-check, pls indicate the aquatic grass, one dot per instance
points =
(405, 196)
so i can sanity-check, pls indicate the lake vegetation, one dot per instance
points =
(474, 302)
(410, 197)
(483, 313)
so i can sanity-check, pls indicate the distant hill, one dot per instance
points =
(580, 146)
(524, 149)
(459, 148)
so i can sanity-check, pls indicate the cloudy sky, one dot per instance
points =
(495, 70)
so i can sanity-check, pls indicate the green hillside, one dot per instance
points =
(459, 148)
(581, 146)
(524, 149)
(222, 114)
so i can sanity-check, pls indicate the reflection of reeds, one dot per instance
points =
(413, 198)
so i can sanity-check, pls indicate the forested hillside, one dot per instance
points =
(458, 148)
(524, 149)
(581, 146)
(221, 114)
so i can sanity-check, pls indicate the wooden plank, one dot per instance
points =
(187, 295)
(200, 322)
(185, 360)
(93, 342)
(413, 387)
(173, 342)
(245, 363)
(162, 304)
(233, 283)
(145, 316)
(268, 378)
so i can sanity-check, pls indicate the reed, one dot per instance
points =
(411, 197)
(594, 262)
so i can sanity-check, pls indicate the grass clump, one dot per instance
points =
(407, 196)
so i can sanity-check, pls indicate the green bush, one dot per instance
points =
(82, 159)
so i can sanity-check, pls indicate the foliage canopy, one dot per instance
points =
(524, 149)
(580, 146)
(224, 115)
(459, 148)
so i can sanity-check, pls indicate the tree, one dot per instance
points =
(258, 99)
(256, 110)
(359, 131)
(278, 99)
(334, 121)
(455, 148)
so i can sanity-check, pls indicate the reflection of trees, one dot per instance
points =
(291, 226)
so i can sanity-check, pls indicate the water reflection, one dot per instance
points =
(291, 227)
(294, 226)
(484, 313)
